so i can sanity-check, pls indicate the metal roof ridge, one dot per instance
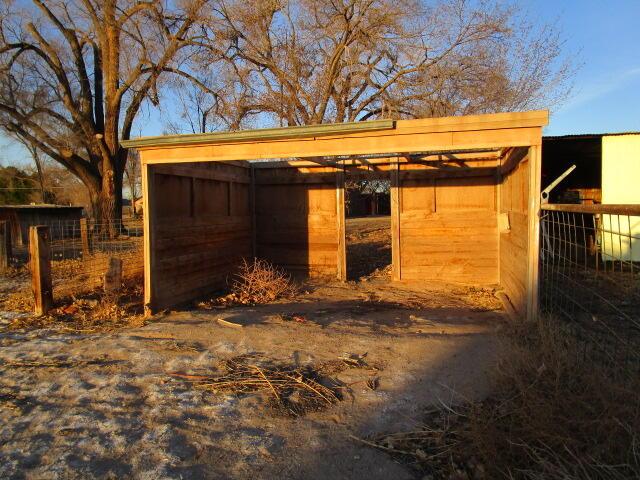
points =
(259, 134)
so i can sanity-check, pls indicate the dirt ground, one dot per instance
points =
(106, 406)
(368, 247)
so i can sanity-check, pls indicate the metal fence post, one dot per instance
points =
(40, 264)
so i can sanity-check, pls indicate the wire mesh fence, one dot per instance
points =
(590, 277)
(81, 251)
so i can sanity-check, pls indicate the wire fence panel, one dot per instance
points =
(81, 251)
(590, 277)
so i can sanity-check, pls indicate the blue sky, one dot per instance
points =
(606, 97)
(606, 35)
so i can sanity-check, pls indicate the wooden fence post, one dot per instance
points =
(40, 263)
(85, 237)
(5, 245)
(113, 277)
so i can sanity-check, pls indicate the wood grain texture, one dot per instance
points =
(341, 225)
(297, 225)
(200, 230)
(514, 244)
(396, 208)
(448, 229)
(40, 267)
(5, 245)
(533, 211)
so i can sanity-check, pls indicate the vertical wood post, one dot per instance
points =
(396, 258)
(535, 169)
(340, 214)
(252, 207)
(113, 277)
(5, 245)
(85, 237)
(149, 223)
(40, 264)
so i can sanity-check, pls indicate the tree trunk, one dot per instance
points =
(110, 203)
(36, 159)
(106, 203)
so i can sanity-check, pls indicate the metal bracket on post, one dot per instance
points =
(544, 196)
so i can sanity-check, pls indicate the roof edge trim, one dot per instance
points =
(260, 134)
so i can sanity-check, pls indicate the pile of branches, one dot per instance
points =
(437, 447)
(259, 281)
(292, 391)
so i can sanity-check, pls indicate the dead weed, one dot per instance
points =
(292, 390)
(256, 282)
(89, 313)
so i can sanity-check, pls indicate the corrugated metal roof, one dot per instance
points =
(260, 134)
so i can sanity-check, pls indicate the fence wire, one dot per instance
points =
(590, 278)
(81, 250)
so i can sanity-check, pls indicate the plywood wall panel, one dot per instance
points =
(175, 201)
(296, 223)
(466, 194)
(202, 230)
(448, 228)
(514, 193)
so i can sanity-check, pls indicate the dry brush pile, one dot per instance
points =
(291, 390)
(255, 282)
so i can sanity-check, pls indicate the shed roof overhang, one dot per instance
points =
(387, 137)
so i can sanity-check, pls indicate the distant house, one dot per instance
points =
(60, 220)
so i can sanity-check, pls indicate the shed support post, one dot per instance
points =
(5, 245)
(40, 265)
(340, 216)
(396, 258)
(149, 223)
(252, 211)
(535, 171)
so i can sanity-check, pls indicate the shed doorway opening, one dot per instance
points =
(368, 226)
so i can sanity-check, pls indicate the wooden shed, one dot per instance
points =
(464, 201)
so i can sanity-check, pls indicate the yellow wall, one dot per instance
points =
(621, 185)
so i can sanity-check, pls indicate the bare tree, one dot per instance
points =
(316, 61)
(133, 177)
(75, 73)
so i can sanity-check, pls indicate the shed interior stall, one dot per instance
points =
(464, 202)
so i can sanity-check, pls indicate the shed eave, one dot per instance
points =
(265, 134)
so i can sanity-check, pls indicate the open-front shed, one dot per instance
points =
(464, 202)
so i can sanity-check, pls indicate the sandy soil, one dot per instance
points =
(368, 247)
(105, 406)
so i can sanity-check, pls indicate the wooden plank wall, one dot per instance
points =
(447, 223)
(201, 228)
(296, 219)
(514, 254)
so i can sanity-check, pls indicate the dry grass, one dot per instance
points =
(87, 313)
(555, 414)
(292, 391)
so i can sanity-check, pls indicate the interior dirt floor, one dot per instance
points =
(368, 247)
(106, 406)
